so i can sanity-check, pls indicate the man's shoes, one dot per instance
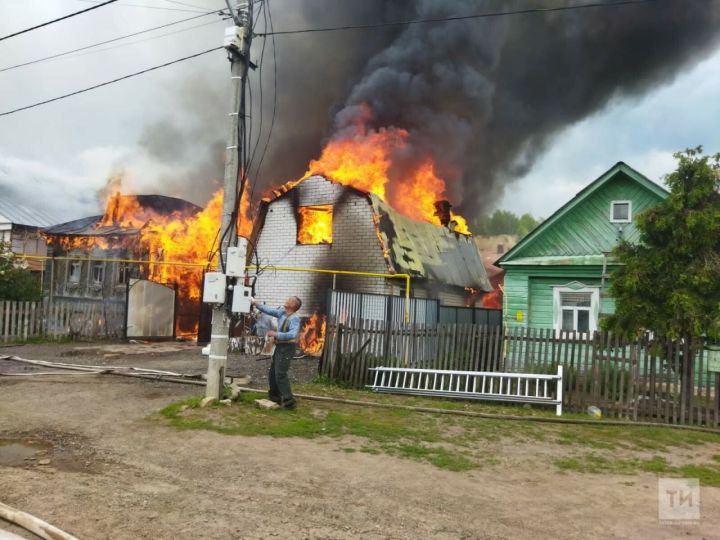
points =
(289, 405)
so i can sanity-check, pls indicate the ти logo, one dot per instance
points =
(678, 499)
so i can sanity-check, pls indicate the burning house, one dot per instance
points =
(95, 258)
(317, 223)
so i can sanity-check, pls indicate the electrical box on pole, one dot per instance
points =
(235, 263)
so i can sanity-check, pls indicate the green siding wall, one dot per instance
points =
(586, 229)
(530, 290)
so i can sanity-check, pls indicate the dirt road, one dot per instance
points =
(117, 471)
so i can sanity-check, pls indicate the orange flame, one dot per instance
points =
(492, 300)
(315, 225)
(312, 335)
(178, 238)
(363, 157)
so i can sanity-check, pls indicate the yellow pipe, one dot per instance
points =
(406, 277)
(102, 259)
(505, 325)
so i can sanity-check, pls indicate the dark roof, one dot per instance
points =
(88, 226)
(165, 205)
(430, 251)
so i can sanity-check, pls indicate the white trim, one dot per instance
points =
(612, 212)
(594, 305)
(70, 266)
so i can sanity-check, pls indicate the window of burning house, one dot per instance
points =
(315, 225)
(123, 273)
(74, 271)
(98, 273)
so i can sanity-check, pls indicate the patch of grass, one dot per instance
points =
(440, 457)
(596, 464)
(708, 474)
(448, 441)
(659, 439)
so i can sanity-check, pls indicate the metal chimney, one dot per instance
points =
(442, 211)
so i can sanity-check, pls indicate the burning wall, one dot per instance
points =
(151, 228)
(367, 235)
(355, 246)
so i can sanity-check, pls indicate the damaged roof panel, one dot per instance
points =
(425, 250)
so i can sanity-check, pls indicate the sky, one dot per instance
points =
(163, 132)
(644, 133)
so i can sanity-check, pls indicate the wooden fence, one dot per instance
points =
(21, 321)
(658, 381)
(351, 349)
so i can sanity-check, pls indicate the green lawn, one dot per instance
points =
(457, 442)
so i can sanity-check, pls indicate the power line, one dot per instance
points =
(145, 40)
(185, 4)
(275, 89)
(56, 20)
(151, 7)
(457, 18)
(110, 82)
(58, 55)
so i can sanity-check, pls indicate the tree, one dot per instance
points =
(16, 282)
(505, 222)
(527, 223)
(669, 283)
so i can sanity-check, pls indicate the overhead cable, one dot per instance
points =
(145, 6)
(457, 18)
(57, 20)
(108, 41)
(110, 82)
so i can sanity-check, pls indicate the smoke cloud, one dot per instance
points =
(483, 97)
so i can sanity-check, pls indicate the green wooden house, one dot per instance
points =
(554, 276)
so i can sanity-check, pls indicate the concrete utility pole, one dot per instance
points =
(237, 43)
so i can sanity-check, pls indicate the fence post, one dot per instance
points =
(560, 384)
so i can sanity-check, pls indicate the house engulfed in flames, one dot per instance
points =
(316, 223)
(93, 255)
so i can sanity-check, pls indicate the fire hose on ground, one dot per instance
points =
(33, 524)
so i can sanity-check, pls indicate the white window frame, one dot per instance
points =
(71, 265)
(91, 276)
(612, 212)
(594, 306)
(123, 268)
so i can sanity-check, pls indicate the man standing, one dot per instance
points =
(285, 339)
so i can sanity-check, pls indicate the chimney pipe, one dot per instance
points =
(442, 211)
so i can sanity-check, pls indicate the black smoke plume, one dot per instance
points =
(483, 96)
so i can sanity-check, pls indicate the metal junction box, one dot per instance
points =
(214, 290)
(235, 259)
(241, 299)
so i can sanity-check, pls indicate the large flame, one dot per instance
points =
(363, 157)
(312, 335)
(176, 246)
